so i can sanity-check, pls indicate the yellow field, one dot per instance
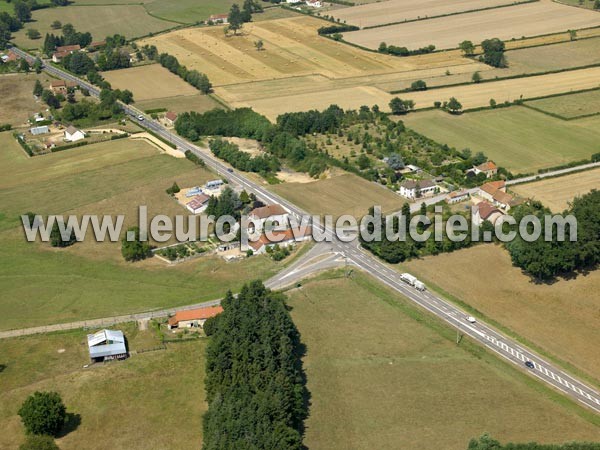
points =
(556, 193)
(531, 19)
(149, 82)
(561, 318)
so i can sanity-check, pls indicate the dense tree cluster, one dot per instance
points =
(241, 122)
(43, 413)
(485, 442)
(135, 249)
(403, 51)
(547, 259)
(255, 387)
(340, 28)
(227, 204)
(241, 160)
(493, 52)
(8, 25)
(299, 123)
(198, 80)
(79, 63)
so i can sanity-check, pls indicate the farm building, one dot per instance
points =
(9, 57)
(487, 190)
(314, 3)
(275, 215)
(213, 184)
(69, 48)
(457, 197)
(193, 318)
(39, 130)
(106, 345)
(485, 211)
(198, 204)
(192, 192)
(489, 168)
(96, 45)
(72, 134)
(170, 118)
(418, 188)
(282, 238)
(219, 18)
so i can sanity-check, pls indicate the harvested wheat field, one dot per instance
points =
(477, 95)
(561, 318)
(556, 193)
(292, 48)
(149, 82)
(394, 11)
(530, 19)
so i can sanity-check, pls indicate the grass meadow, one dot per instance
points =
(19, 103)
(181, 103)
(384, 374)
(559, 318)
(518, 138)
(151, 400)
(43, 285)
(570, 106)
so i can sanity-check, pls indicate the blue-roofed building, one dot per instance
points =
(106, 345)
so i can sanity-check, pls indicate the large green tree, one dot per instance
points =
(493, 52)
(43, 413)
(235, 18)
(22, 11)
(134, 249)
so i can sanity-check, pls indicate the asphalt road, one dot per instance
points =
(505, 347)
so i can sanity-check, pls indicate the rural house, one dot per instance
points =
(457, 197)
(198, 204)
(219, 18)
(314, 3)
(273, 216)
(487, 190)
(170, 118)
(282, 238)
(106, 345)
(412, 189)
(483, 211)
(72, 134)
(58, 87)
(69, 48)
(193, 318)
(489, 168)
(9, 57)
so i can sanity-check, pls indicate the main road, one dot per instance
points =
(487, 336)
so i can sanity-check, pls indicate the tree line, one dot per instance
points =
(241, 160)
(255, 386)
(486, 442)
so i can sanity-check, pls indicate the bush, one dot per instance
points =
(43, 413)
(42, 442)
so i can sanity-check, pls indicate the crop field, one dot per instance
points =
(101, 21)
(121, 395)
(560, 318)
(570, 106)
(19, 103)
(343, 194)
(43, 285)
(197, 102)
(149, 82)
(556, 193)
(530, 19)
(405, 381)
(393, 11)
(292, 48)
(188, 11)
(478, 95)
(518, 138)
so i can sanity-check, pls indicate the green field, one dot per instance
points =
(199, 103)
(383, 374)
(520, 139)
(43, 285)
(188, 11)
(152, 400)
(129, 20)
(570, 106)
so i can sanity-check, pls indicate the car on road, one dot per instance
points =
(140, 117)
(530, 364)
(470, 319)
(230, 170)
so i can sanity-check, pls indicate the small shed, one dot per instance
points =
(106, 345)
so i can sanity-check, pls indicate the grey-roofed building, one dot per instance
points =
(39, 130)
(106, 345)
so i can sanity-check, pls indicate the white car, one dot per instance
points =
(140, 117)
(470, 319)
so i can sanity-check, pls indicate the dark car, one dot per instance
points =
(530, 364)
(230, 170)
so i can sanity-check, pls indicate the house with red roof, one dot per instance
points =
(193, 318)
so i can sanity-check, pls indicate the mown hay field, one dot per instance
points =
(570, 106)
(393, 11)
(181, 103)
(129, 20)
(561, 318)
(292, 48)
(122, 396)
(556, 193)
(44, 285)
(517, 138)
(342, 194)
(530, 19)
(384, 374)
(149, 82)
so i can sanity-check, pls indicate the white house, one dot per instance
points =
(271, 216)
(457, 197)
(219, 18)
(293, 1)
(412, 189)
(107, 345)
(72, 134)
(314, 3)
(198, 204)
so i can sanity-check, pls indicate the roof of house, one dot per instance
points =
(218, 16)
(195, 314)
(106, 343)
(291, 234)
(423, 184)
(71, 130)
(58, 83)
(267, 211)
(97, 44)
(493, 186)
(457, 194)
(171, 115)
(198, 201)
(486, 209)
(68, 48)
(487, 166)
(12, 56)
(503, 197)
